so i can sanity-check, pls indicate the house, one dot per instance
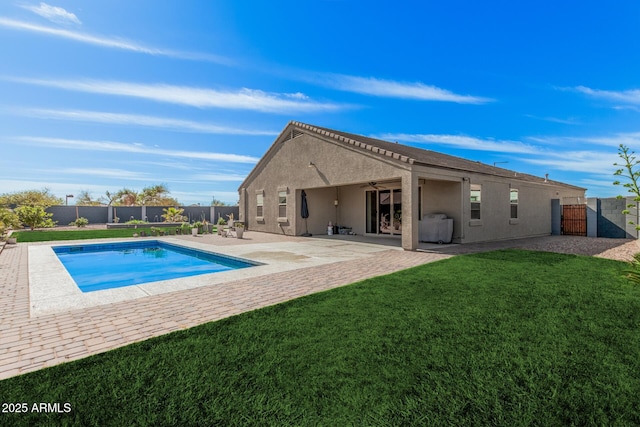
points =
(382, 188)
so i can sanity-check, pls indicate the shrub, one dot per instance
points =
(173, 215)
(80, 222)
(8, 220)
(136, 221)
(35, 217)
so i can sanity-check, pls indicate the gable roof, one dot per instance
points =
(404, 153)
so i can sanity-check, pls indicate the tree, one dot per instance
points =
(174, 215)
(150, 196)
(155, 195)
(34, 216)
(126, 197)
(111, 198)
(84, 199)
(216, 202)
(629, 170)
(30, 198)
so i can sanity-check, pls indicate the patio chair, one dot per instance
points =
(231, 230)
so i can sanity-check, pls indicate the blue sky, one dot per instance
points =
(101, 95)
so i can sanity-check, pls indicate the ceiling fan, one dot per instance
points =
(372, 184)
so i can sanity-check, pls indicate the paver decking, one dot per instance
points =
(31, 343)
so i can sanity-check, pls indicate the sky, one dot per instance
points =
(102, 95)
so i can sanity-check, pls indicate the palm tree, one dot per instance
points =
(126, 197)
(154, 195)
(173, 215)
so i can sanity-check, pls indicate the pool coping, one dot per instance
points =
(29, 343)
(52, 289)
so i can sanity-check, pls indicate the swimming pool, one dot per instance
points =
(95, 267)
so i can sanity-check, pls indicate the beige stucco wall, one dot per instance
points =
(444, 197)
(341, 172)
(534, 209)
(334, 165)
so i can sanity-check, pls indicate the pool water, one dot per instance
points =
(96, 267)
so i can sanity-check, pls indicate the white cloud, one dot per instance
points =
(134, 148)
(466, 142)
(53, 13)
(625, 96)
(218, 177)
(57, 188)
(594, 162)
(138, 120)
(630, 139)
(243, 99)
(569, 121)
(104, 172)
(111, 42)
(395, 89)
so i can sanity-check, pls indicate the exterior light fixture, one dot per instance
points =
(312, 165)
(66, 199)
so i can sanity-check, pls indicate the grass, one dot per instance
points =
(80, 234)
(504, 338)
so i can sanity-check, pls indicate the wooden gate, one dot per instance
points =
(574, 220)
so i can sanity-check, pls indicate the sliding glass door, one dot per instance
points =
(384, 211)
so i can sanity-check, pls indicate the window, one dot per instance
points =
(476, 191)
(282, 204)
(513, 199)
(259, 204)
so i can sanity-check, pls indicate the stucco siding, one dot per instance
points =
(444, 197)
(332, 167)
(288, 166)
(534, 210)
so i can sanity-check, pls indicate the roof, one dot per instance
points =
(402, 153)
(414, 155)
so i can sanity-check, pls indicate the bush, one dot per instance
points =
(173, 215)
(136, 221)
(80, 222)
(35, 217)
(8, 220)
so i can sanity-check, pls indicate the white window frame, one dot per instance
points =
(282, 206)
(475, 199)
(513, 203)
(260, 205)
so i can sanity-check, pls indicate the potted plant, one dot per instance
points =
(221, 224)
(239, 229)
(154, 231)
(184, 228)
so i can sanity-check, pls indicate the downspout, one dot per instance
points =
(462, 207)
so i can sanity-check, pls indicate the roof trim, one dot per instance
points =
(354, 142)
(381, 148)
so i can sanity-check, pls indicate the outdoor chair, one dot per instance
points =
(230, 231)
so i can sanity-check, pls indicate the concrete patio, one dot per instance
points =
(38, 333)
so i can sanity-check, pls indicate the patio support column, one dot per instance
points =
(410, 211)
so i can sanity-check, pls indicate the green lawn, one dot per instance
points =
(80, 234)
(504, 338)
